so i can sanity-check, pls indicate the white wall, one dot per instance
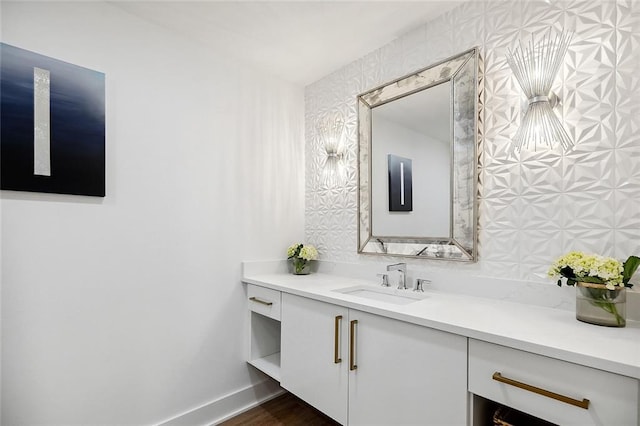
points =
(129, 309)
(536, 206)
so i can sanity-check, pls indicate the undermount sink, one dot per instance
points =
(383, 294)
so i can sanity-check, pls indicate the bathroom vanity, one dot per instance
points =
(365, 354)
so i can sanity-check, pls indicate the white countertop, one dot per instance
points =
(541, 330)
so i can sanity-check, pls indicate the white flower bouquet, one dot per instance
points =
(600, 281)
(577, 266)
(300, 256)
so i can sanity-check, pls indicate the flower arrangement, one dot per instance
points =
(300, 255)
(599, 280)
(577, 266)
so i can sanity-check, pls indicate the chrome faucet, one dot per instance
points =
(402, 268)
(419, 284)
(385, 280)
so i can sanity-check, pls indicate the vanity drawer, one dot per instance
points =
(264, 301)
(607, 398)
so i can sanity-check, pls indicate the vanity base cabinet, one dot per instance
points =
(364, 369)
(557, 391)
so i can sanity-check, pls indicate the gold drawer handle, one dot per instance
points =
(255, 299)
(352, 345)
(336, 343)
(582, 404)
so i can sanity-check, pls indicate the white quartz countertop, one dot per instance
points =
(545, 331)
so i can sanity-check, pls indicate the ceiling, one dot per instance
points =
(299, 41)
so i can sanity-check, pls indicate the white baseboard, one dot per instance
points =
(228, 406)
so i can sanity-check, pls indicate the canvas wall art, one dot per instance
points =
(400, 184)
(52, 125)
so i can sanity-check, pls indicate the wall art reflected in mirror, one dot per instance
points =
(417, 151)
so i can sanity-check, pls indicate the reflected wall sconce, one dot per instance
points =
(330, 131)
(535, 67)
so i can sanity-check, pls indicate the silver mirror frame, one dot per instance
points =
(463, 71)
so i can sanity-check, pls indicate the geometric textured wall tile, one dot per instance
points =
(541, 211)
(533, 206)
(499, 213)
(501, 245)
(628, 75)
(542, 176)
(627, 242)
(501, 180)
(588, 209)
(594, 240)
(439, 38)
(627, 209)
(627, 167)
(536, 247)
(589, 75)
(469, 17)
(589, 172)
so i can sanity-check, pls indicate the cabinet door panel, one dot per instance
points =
(406, 374)
(308, 367)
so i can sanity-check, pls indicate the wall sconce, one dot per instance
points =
(330, 131)
(535, 68)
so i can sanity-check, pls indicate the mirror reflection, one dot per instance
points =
(417, 130)
(417, 163)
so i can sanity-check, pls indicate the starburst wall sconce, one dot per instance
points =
(330, 130)
(535, 67)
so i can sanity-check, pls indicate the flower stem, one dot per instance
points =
(599, 298)
(299, 265)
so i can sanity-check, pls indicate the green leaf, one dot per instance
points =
(629, 268)
(567, 272)
(594, 280)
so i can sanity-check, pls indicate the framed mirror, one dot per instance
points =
(417, 163)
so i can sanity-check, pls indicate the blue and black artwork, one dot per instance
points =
(52, 125)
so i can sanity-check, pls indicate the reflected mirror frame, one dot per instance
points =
(462, 242)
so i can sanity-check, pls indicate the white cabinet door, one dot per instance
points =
(406, 374)
(312, 366)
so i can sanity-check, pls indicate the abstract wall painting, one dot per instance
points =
(52, 125)
(400, 184)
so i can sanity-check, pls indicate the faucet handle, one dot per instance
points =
(385, 279)
(419, 283)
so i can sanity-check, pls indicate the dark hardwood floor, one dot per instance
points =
(285, 410)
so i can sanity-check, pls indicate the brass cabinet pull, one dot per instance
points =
(582, 404)
(352, 345)
(255, 299)
(336, 343)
